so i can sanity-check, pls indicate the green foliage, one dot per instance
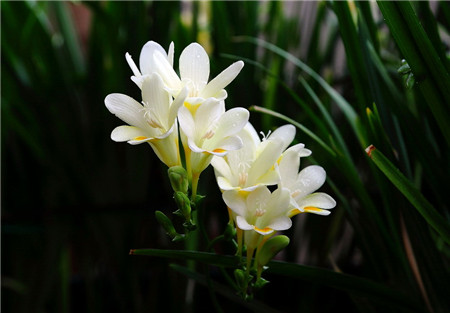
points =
(74, 202)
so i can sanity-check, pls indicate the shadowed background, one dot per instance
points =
(74, 202)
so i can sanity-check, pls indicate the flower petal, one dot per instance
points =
(125, 133)
(194, 65)
(127, 109)
(288, 167)
(318, 200)
(155, 97)
(232, 121)
(132, 65)
(284, 134)
(265, 160)
(186, 121)
(235, 201)
(166, 71)
(309, 180)
(280, 223)
(242, 223)
(170, 53)
(146, 61)
(221, 167)
(222, 80)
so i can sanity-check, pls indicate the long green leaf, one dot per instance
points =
(429, 71)
(407, 188)
(348, 283)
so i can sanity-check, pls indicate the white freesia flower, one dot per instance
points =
(256, 162)
(211, 131)
(302, 186)
(194, 73)
(147, 62)
(259, 212)
(153, 121)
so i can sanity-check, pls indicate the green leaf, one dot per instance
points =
(407, 188)
(348, 283)
(430, 74)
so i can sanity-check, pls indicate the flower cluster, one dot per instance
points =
(188, 103)
(190, 109)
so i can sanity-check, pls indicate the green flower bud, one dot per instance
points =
(178, 179)
(271, 248)
(183, 204)
(166, 223)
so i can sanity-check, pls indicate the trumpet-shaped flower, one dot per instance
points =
(259, 212)
(194, 74)
(302, 186)
(256, 162)
(153, 121)
(147, 61)
(211, 131)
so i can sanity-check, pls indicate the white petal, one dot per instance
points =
(318, 200)
(300, 149)
(285, 134)
(281, 223)
(186, 121)
(154, 95)
(206, 115)
(176, 105)
(258, 198)
(170, 53)
(221, 167)
(265, 161)
(146, 61)
(125, 133)
(223, 183)
(127, 109)
(235, 201)
(309, 180)
(288, 167)
(232, 121)
(242, 223)
(166, 71)
(132, 65)
(227, 144)
(194, 64)
(222, 80)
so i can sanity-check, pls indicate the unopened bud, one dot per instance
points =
(166, 223)
(178, 179)
(183, 204)
(271, 248)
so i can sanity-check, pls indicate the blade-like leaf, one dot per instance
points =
(407, 188)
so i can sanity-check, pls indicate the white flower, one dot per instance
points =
(147, 62)
(153, 121)
(194, 73)
(256, 162)
(302, 186)
(259, 212)
(212, 131)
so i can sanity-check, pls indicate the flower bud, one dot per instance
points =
(166, 223)
(178, 179)
(183, 204)
(271, 248)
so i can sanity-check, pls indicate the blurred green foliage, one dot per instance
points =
(74, 202)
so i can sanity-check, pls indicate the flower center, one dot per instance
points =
(259, 212)
(295, 193)
(208, 135)
(151, 118)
